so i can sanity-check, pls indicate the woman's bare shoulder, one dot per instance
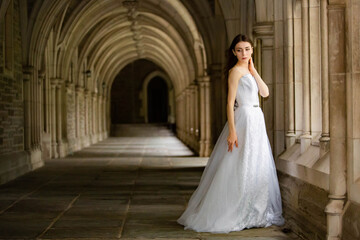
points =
(236, 72)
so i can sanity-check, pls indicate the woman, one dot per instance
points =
(239, 187)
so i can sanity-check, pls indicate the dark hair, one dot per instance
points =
(231, 58)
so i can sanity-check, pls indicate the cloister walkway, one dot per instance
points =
(124, 187)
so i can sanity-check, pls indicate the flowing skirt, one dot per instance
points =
(237, 189)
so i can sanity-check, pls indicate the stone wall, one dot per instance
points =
(303, 207)
(13, 160)
(351, 223)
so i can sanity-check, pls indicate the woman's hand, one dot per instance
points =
(251, 66)
(232, 138)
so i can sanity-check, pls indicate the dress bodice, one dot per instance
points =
(247, 92)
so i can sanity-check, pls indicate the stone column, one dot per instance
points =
(265, 33)
(179, 116)
(99, 110)
(41, 82)
(37, 113)
(78, 93)
(208, 116)
(27, 120)
(45, 144)
(202, 118)
(60, 146)
(205, 117)
(87, 120)
(196, 110)
(305, 137)
(338, 123)
(104, 117)
(315, 70)
(93, 138)
(54, 148)
(289, 75)
(191, 117)
(325, 136)
(187, 114)
(32, 111)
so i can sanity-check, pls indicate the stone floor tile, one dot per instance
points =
(133, 187)
(81, 232)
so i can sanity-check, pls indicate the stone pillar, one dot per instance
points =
(205, 117)
(45, 141)
(265, 33)
(45, 104)
(196, 111)
(37, 113)
(32, 111)
(99, 111)
(191, 117)
(325, 136)
(187, 114)
(289, 75)
(54, 148)
(60, 146)
(338, 123)
(27, 120)
(94, 138)
(78, 94)
(202, 118)
(87, 119)
(104, 117)
(315, 70)
(305, 137)
(179, 116)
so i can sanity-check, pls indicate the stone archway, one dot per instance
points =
(170, 97)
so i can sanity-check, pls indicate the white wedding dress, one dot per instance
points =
(238, 189)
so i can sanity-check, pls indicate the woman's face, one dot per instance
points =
(243, 51)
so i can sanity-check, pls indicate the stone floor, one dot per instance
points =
(127, 188)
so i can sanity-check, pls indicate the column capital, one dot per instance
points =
(87, 92)
(337, 2)
(69, 86)
(54, 82)
(41, 74)
(59, 83)
(203, 79)
(79, 89)
(264, 29)
(27, 72)
(28, 69)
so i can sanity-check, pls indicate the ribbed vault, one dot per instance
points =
(104, 36)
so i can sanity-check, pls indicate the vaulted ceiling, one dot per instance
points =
(103, 36)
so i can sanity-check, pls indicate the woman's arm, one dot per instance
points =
(233, 81)
(263, 88)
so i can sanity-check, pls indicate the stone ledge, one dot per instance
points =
(308, 167)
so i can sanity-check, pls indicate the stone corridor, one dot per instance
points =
(123, 187)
